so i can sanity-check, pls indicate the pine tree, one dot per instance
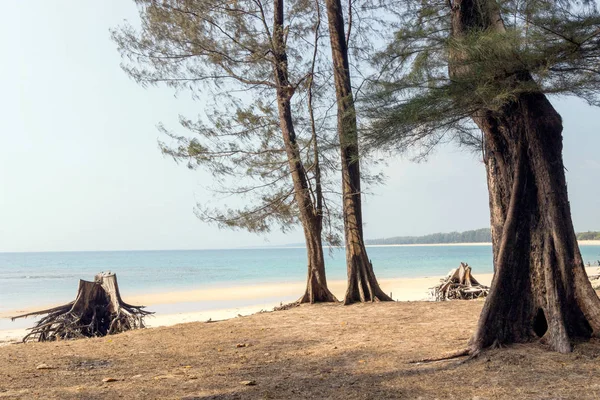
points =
(239, 52)
(479, 71)
(362, 283)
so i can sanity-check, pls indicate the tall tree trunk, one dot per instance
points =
(310, 215)
(540, 288)
(362, 284)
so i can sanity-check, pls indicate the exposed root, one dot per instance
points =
(324, 296)
(451, 356)
(98, 310)
(459, 284)
(288, 306)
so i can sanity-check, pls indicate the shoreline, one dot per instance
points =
(407, 289)
(221, 303)
(216, 304)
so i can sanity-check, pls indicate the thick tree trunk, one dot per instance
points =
(362, 284)
(310, 214)
(540, 288)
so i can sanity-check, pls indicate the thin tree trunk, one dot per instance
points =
(310, 215)
(540, 288)
(362, 284)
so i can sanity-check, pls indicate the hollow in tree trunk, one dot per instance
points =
(362, 284)
(540, 288)
(310, 210)
(98, 310)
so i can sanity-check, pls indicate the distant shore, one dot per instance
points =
(580, 242)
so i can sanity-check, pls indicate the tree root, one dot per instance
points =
(451, 356)
(98, 310)
(459, 284)
(288, 306)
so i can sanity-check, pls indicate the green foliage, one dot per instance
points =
(223, 54)
(416, 101)
(475, 236)
(588, 236)
(482, 235)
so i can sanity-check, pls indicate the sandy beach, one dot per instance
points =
(322, 351)
(312, 351)
(212, 303)
(221, 303)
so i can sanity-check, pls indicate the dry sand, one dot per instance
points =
(325, 351)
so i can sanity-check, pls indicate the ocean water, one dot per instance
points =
(33, 279)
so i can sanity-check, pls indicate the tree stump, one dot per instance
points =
(459, 284)
(98, 310)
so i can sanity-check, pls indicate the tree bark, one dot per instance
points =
(98, 310)
(310, 213)
(540, 288)
(362, 284)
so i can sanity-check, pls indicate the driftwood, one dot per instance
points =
(98, 310)
(459, 284)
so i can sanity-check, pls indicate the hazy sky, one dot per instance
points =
(80, 168)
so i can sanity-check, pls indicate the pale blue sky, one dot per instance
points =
(80, 167)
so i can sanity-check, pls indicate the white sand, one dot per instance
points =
(588, 242)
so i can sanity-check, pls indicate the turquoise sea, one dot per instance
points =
(33, 279)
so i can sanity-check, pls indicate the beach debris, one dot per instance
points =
(44, 366)
(459, 284)
(283, 307)
(248, 383)
(98, 310)
(106, 380)
(242, 345)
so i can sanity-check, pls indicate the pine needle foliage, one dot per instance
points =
(414, 103)
(222, 52)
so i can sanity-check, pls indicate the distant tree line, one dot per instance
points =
(590, 235)
(483, 235)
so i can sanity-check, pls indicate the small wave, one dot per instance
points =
(20, 277)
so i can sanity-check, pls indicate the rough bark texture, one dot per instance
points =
(310, 210)
(362, 284)
(540, 288)
(98, 310)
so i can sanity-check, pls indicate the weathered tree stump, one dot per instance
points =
(98, 310)
(459, 284)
